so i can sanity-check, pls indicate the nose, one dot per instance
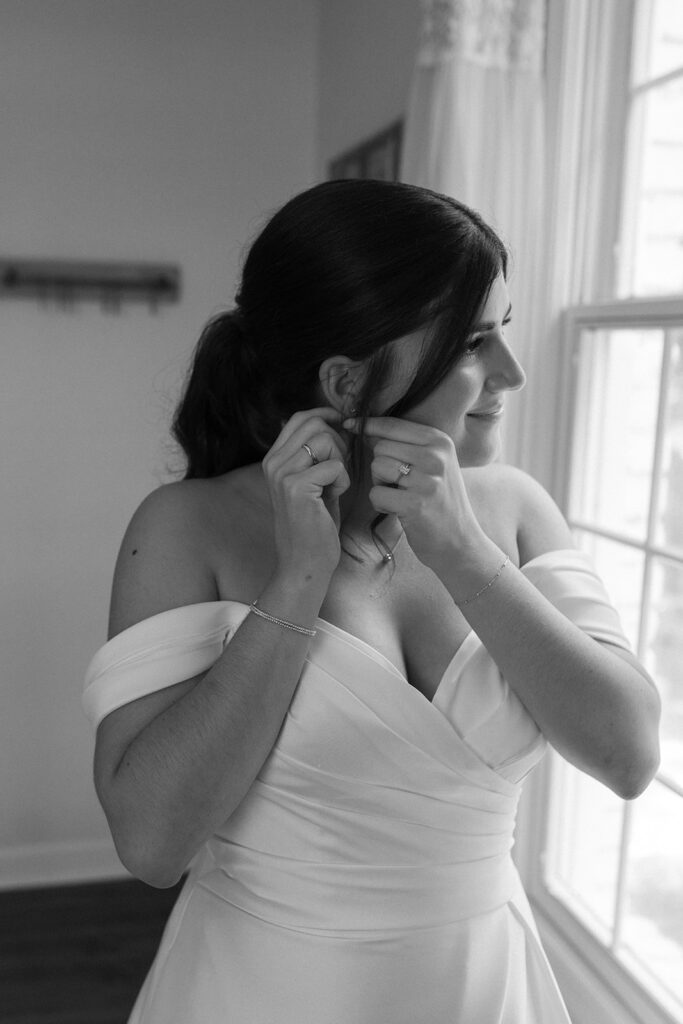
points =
(505, 372)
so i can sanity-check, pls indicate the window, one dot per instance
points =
(618, 866)
(650, 254)
(611, 878)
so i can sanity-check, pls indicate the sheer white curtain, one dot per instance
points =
(475, 130)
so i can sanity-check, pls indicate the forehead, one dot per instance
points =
(497, 301)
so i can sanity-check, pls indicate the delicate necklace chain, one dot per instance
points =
(385, 551)
(383, 548)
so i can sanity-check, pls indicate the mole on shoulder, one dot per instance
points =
(134, 551)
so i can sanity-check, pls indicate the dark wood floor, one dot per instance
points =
(79, 953)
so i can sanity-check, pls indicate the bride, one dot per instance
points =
(341, 642)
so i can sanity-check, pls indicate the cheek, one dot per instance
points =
(445, 408)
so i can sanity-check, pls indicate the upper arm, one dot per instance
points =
(161, 565)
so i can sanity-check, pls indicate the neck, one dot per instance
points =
(357, 515)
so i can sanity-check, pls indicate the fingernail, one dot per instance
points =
(350, 424)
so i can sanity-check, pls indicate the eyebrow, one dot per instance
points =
(488, 325)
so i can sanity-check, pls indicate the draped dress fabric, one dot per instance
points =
(366, 876)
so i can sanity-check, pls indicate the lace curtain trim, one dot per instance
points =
(507, 34)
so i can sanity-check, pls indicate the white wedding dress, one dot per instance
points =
(366, 876)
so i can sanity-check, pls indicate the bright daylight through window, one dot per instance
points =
(651, 242)
(618, 866)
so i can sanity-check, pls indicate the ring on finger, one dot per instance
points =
(403, 470)
(310, 451)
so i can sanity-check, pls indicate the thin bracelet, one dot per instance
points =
(281, 622)
(490, 583)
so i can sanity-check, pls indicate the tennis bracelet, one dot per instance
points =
(281, 622)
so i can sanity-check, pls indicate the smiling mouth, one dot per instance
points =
(491, 414)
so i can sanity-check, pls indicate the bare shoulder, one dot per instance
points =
(515, 500)
(162, 562)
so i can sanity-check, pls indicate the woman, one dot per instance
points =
(341, 642)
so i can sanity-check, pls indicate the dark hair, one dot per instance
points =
(344, 268)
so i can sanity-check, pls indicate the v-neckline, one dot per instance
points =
(469, 639)
(422, 712)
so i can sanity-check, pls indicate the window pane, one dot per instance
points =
(652, 936)
(664, 660)
(663, 50)
(583, 851)
(614, 428)
(621, 569)
(669, 525)
(651, 250)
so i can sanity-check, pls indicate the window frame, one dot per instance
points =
(578, 954)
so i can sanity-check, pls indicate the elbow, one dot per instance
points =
(147, 865)
(635, 779)
(145, 852)
(637, 762)
(636, 770)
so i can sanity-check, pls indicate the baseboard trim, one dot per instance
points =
(47, 864)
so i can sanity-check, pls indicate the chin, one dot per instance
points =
(483, 454)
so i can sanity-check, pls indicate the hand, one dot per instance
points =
(431, 500)
(304, 495)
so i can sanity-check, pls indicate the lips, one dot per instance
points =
(489, 413)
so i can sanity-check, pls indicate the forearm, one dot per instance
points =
(597, 710)
(190, 767)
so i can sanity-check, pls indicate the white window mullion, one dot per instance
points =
(659, 439)
(577, 523)
(645, 603)
(656, 83)
(670, 783)
(622, 872)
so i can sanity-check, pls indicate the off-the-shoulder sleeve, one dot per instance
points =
(160, 651)
(567, 578)
(476, 698)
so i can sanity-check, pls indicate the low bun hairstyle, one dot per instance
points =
(343, 268)
(224, 419)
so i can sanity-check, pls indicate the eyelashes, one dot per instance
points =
(478, 339)
(474, 344)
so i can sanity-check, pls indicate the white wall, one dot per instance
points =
(133, 130)
(367, 54)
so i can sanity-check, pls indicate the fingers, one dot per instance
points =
(324, 446)
(388, 499)
(323, 416)
(294, 458)
(394, 429)
(330, 474)
(386, 470)
(312, 427)
(334, 478)
(289, 465)
(404, 441)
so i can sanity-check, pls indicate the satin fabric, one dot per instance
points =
(366, 876)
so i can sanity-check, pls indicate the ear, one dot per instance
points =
(341, 379)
